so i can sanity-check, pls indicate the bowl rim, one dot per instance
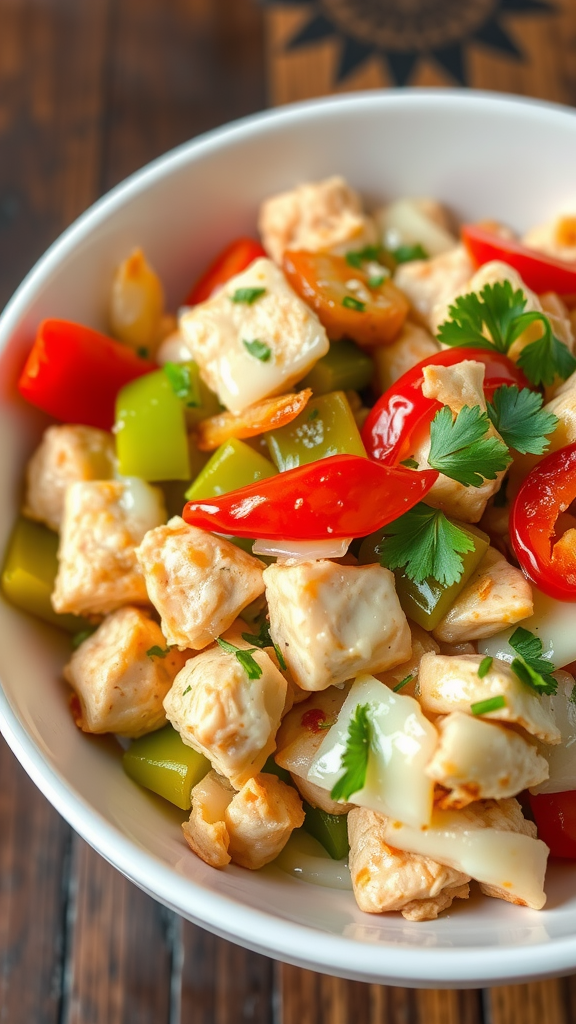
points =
(226, 916)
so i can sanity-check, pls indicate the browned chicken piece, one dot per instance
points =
(430, 283)
(413, 344)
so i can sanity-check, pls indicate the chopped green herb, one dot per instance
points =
(182, 384)
(142, 352)
(407, 253)
(187, 690)
(79, 638)
(460, 449)
(530, 667)
(494, 319)
(314, 414)
(355, 756)
(247, 295)
(356, 257)
(376, 280)
(351, 303)
(484, 707)
(405, 681)
(485, 666)
(425, 544)
(250, 666)
(263, 639)
(410, 463)
(158, 652)
(520, 420)
(259, 349)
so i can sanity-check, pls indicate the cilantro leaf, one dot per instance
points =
(263, 639)
(259, 349)
(182, 384)
(356, 257)
(247, 296)
(425, 544)
(157, 652)
(355, 756)
(518, 416)
(530, 667)
(409, 463)
(250, 666)
(407, 253)
(546, 358)
(460, 450)
(351, 303)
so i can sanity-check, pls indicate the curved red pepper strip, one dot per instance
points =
(539, 272)
(235, 258)
(341, 496)
(555, 816)
(403, 412)
(546, 492)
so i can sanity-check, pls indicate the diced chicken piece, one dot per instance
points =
(556, 238)
(453, 684)
(221, 331)
(333, 621)
(430, 283)
(560, 759)
(422, 643)
(103, 523)
(222, 713)
(249, 828)
(457, 386)
(386, 879)
(318, 216)
(496, 595)
(299, 739)
(205, 831)
(198, 582)
(67, 454)
(413, 344)
(120, 687)
(422, 222)
(490, 841)
(477, 760)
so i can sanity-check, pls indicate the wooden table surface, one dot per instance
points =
(89, 91)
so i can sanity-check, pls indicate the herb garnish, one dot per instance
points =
(356, 257)
(259, 349)
(250, 666)
(460, 449)
(81, 636)
(530, 667)
(355, 756)
(158, 652)
(484, 707)
(376, 280)
(405, 681)
(182, 384)
(485, 666)
(263, 639)
(425, 544)
(520, 420)
(247, 295)
(409, 463)
(187, 690)
(407, 253)
(351, 303)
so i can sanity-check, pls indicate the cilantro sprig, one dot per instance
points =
(182, 383)
(259, 349)
(494, 319)
(247, 296)
(355, 756)
(460, 449)
(530, 667)
(157, 652)
(407, 253)
(520, 419)
(250, 666)
(263, 639)
(425, 544)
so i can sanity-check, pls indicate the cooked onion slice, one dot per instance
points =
(268, 414)
(302, 550)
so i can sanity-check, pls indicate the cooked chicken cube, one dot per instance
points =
(223, 713)
(556, 238)
(457, 386)
(430, 283)
(254, 338)
(103, 523)
(422, 643)
(198, 582)
(332, 621)
(490, 841)
(477, 760)
(299, 738)
(496, 595)
(412, 345)
(205, 831)
(453, 684)
(67, 454)
(386, 879)
(422, 222)
(317, 216)
(119, 682)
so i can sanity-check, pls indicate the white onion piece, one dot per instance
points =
(302, 550)
(173, 350)
(305, 858)
(406, 223)
(554, 622)
(561, 758)
(144, 503)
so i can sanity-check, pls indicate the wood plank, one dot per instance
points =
(540, 1002)
(33, 866)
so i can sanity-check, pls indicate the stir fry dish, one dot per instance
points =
(314, 540)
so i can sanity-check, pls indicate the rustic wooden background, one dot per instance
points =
(89, 91)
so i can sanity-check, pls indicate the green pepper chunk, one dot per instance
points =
(427, 602)
(29, 572)
(325, 427)
(344, 368)
(234, 464)
(331, 830)
(151, 439)
(161, 762)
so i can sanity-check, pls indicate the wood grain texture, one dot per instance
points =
(223, 983)
(543, 1002)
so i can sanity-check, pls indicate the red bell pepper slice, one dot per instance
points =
(547, 491)
(235, 258)
(539, 272)
(555, 817)
(341, 496)
(74, 373)
(402, 413)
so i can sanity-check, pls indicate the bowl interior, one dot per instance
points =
(484, 156)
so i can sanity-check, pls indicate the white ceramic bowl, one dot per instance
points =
(484, 155)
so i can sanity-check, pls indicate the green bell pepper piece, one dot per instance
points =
(325, 427)
(29, 572)
(161, 762)
(344, 368)
(331, 830)
(234, 464)
(427, 602)
(151, 439)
